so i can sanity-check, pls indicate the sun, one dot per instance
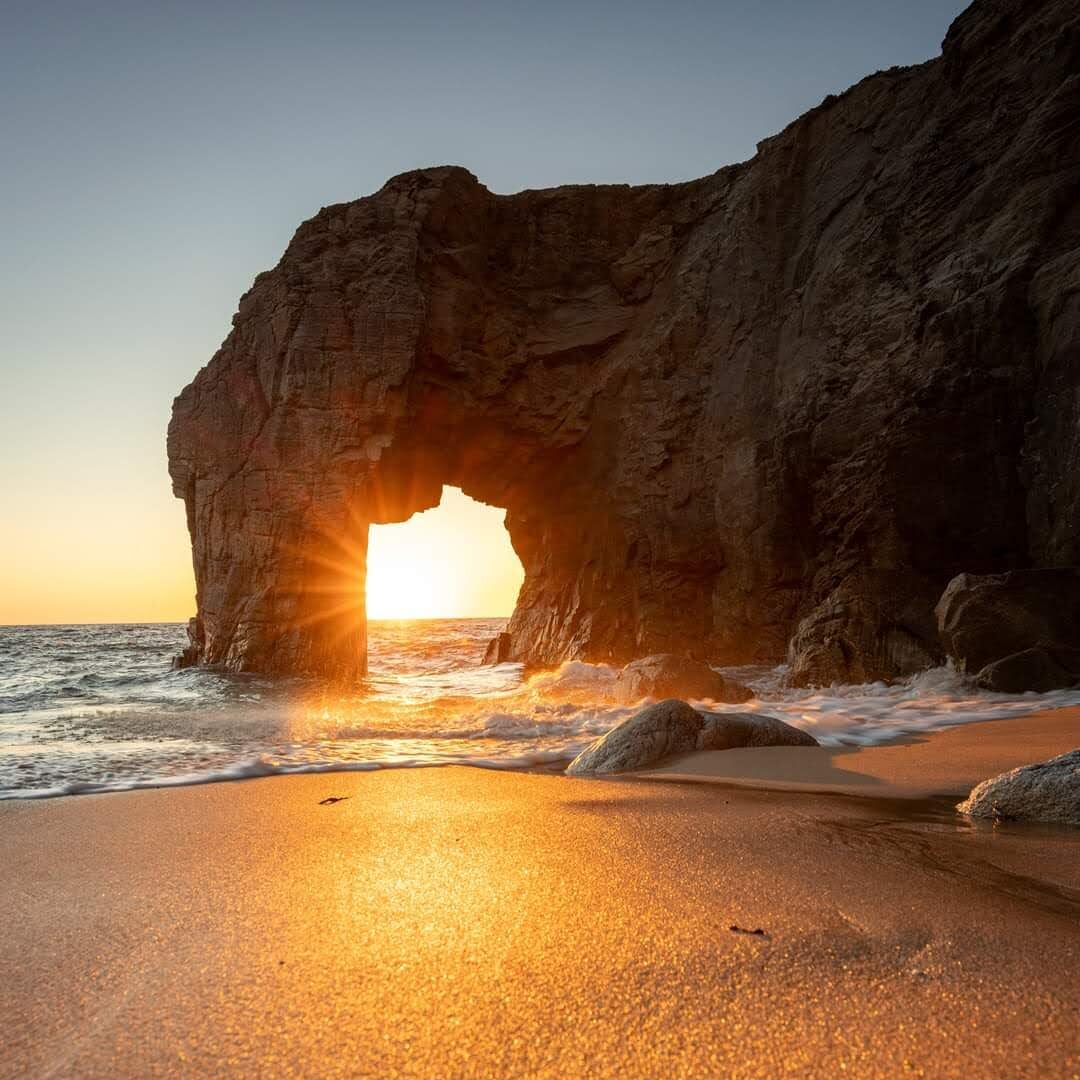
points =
(455, 561)
(418, 591)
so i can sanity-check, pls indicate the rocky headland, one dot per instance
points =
(770, 412)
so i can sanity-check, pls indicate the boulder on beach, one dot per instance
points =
(672, 727)
(1016, 631)
(1032, 669)
(1047, 792)
(727, 731)
(665, 675)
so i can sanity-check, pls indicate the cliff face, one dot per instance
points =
(783, 403)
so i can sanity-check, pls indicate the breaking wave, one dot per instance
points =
(96, 708)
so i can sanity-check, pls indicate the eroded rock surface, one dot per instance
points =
(672, 727)
(1036, 670)
(795, 397)
(727, 731)
(666, 675)
(1047, 792)
(1015, 631)
(498, 649)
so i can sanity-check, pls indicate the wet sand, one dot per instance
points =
(947, 763)
(456, 922)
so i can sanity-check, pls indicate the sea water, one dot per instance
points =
(98, 708)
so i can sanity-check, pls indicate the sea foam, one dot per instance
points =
(91, 709)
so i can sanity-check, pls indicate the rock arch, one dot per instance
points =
(432, 334)
(793, 397)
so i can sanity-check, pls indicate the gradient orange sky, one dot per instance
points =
(157, 157)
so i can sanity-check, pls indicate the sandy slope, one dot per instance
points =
(457, 922)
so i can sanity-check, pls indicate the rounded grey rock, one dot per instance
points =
(1048, 791)
(672, 727)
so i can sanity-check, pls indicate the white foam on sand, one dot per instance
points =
(853, 715)
(873, 713)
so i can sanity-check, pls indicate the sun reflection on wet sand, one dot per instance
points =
(456, 922)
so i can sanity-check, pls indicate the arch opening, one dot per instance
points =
(454, 561)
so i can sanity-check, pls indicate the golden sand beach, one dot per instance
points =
(469, 923)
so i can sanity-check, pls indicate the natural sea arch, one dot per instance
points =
(418, 339)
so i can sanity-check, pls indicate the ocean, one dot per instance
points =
(98, 708)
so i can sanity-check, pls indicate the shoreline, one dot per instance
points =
(945, 762)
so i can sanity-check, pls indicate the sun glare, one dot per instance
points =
(451, 562)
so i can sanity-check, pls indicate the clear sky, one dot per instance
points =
(156, 156)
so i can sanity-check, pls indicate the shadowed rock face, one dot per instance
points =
(665, 676)
(795, 397)
(1015, 631)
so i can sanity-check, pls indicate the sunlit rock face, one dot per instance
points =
(797, 395)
